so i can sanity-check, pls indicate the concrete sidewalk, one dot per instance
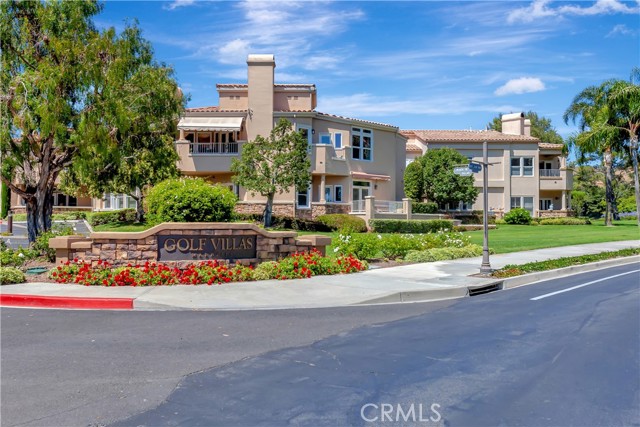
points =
(416, 282)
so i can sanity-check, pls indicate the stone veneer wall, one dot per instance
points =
(139, 247)
(556, 214)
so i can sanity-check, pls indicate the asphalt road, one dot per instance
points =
(522, 357)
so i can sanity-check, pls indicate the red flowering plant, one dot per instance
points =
(296, 266)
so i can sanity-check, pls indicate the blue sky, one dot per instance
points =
(416, 65)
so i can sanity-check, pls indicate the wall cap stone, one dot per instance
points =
(137, 235)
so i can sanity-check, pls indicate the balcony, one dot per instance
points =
(324, 159)
(556, 179)
(207, 157)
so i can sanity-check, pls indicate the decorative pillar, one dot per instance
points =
(323, 185)
(406, 207)
(564, 200)
(369, 209)
(181, 134)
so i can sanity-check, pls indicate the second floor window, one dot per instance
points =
(361, 144)
(522, 166)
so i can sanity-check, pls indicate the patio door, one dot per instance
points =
(361, 189)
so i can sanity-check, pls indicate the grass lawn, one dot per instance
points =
(122, 227)
(504, 239)
(514, 238)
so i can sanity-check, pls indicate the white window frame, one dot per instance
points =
(328, 190)
(521, 168)
(361, 133)
(309, 132)
(308, 193)
(335, 193)
(113, 197)
(542, 203)
(521, 203)
(324, 135)
(337, 140)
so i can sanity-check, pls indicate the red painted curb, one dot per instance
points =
(17, 300)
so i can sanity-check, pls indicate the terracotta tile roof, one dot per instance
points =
(278, 85)
(356, 120)
(212, 109)
(413, 147)
(550, 146)
(466, 136)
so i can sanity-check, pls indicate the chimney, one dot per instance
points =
(514, 124)
(260, 87)
(527, 127)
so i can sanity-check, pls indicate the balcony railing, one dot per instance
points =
(357, 206)
(388, 206)
(550, 172)
(204, 148)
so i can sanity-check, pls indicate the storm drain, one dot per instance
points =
(485, 289)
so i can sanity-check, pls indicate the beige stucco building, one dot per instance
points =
(350, 158)
(525, 171)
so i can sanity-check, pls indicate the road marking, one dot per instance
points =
(583, 285)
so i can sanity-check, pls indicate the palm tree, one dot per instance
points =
(592, 111)
(624, 101)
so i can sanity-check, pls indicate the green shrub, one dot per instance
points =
(112, 217)
(518, 216)
(266, 270)
(10, 275)
(189, 200)
(16, 257)
(424, 208)
(394, 246)
(69, 216)
(414, 180)
(443, 254)
(341, 221)
(564, 221)
(363, 246)
(413, 226)
(627, 204)
(41, 245)
(5, 201)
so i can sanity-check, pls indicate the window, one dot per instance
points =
(546, 204)
(114, 201)
(522, 166)
(60, 199)
(325, 138)
(337, 140)
(328, 193)
(524, 202)
(361, 144)
(338, 193)
(302, 199)
(305, 131)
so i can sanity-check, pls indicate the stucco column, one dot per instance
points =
(406, 207)
(181, 134)
(323, 185)
(564, 200)
(369, 209)
(563, 162)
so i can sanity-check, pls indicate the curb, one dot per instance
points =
(40, 301)
(526, 279)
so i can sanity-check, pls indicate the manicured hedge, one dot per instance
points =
(518, 216)
(413, 226)
(341, 221)
(284, 222)
(564, 221)
(112, 217)
(189, 200)
(443, 254)
(424, 207)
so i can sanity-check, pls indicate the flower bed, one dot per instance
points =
(298, 265)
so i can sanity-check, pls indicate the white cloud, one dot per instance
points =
(234, 52)
(178, 3)
(542, 9)
(520, 86)
(622, 30)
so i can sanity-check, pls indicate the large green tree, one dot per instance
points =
(273, 165)
(69, 94)
(414, 180)
(541, 127)
(441, 185)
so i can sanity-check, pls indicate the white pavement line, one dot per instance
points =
(583, 285)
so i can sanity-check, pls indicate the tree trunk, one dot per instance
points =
(268, 209)
(633, 148)
(39, 210)
(609, 196)
(139, 207)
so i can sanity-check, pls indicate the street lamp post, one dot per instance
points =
(485, 267)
